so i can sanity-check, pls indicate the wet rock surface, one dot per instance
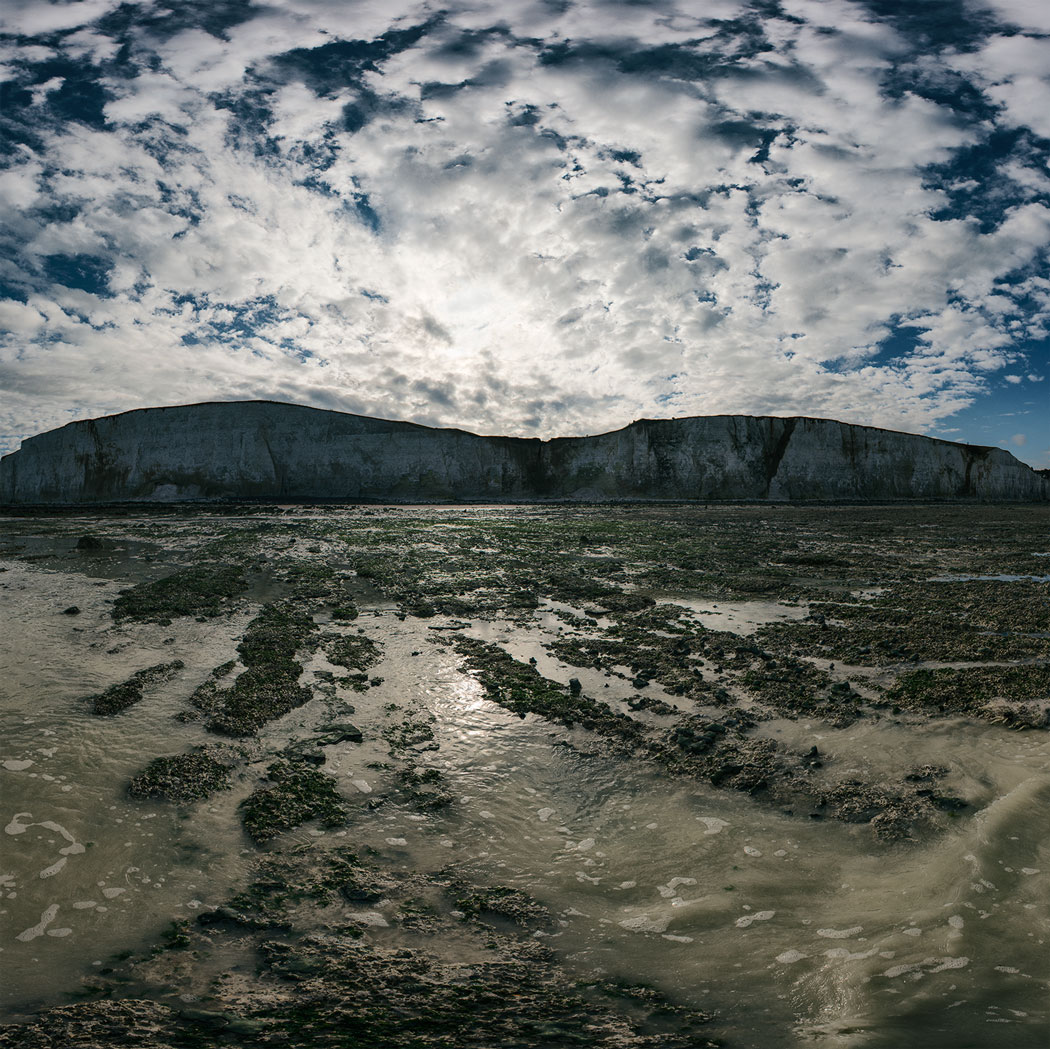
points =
(269, 686)
(120, 697)
(323, 948)
(295, 793)
(181, 777)
(1017, 696)
(200, 591)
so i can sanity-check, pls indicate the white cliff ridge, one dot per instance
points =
(272, 451)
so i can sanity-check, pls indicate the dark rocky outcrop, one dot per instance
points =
(272, 451)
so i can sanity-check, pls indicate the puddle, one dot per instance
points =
(1005, 578)
(738, 617)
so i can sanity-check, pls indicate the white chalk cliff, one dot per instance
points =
(272, 451)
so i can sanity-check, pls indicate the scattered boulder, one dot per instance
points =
(335, 732)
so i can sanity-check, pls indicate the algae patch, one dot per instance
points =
(298, 793)
(269, 686)
(181, 777)
(520, 688)
(1017, 696)
(126, 694)
(201, 591)
(353, 651)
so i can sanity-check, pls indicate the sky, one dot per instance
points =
(530, 217)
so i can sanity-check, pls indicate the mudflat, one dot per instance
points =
(526, 776)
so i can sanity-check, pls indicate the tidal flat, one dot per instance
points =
(661, 776)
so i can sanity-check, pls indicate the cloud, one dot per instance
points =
(29, 18)
(1030, 15)
(1019, 439)
(1012, 70)
(526, 217)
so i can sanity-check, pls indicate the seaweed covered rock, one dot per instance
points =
(1017, 696)
(256, 697)
(129, 1022)
(520, 688)
(353, 651)
(275, 635)
(181, 777)
(269, 686)
(500, 902)
(126, 694)
(201, 591)
(297, 793)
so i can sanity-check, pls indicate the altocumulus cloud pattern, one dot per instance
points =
(536, 218)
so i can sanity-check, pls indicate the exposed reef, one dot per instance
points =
(445, 777)
(267, 450)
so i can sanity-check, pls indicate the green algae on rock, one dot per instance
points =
(200, 591)
(126, 694)
(353, 651)
(269, 686)
(501, 902)
(522, 689)
(258, 695)
(275, 635)
(424, 789)
(181, 777)
(1017, 696)
(298, 793)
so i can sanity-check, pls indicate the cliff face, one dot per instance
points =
(272, 451)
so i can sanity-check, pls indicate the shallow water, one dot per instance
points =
(739, 617)
(86, 871)
(1002, 578)
(794, 932)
